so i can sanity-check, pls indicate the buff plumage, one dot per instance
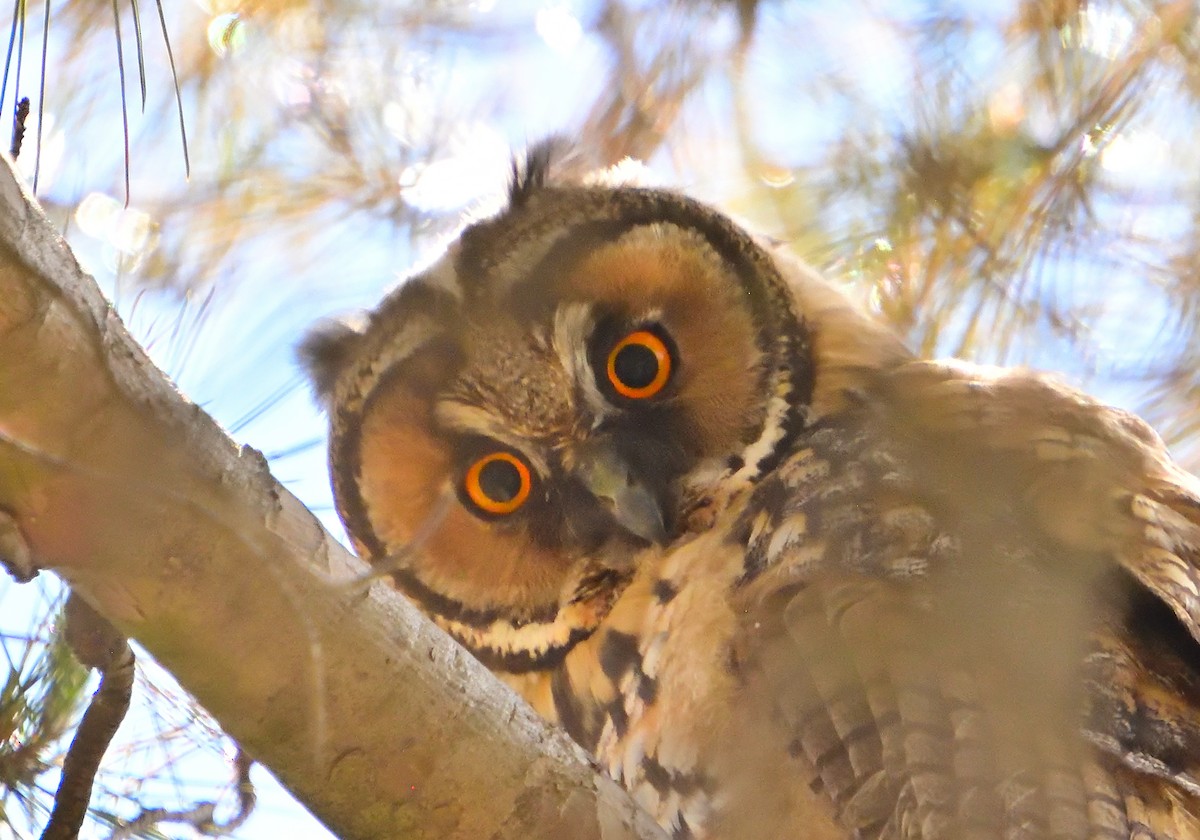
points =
(781, 577)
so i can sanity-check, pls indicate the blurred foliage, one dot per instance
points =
(38, 706)
(1005, 180)
(1015, 182)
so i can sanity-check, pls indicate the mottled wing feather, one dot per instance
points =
(1095, 478)
(908, 745)
(1164, 552)
(982, 559)
(1101, 485)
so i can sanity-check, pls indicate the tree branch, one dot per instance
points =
(96, 644)
(370, 715)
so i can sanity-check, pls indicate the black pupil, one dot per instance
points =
(500, 481)
(635, 366)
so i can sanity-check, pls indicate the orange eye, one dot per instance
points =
(639, 365)
(498, 483)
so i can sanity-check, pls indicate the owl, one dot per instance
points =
(781, 577)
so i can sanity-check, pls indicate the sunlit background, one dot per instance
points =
(1013, 182)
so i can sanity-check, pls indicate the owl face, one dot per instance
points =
(513, 427)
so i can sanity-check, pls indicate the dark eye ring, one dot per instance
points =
(639, 365)
(498, 483)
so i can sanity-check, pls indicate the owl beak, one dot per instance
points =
(615, 484)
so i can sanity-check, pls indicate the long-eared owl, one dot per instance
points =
(780, 576)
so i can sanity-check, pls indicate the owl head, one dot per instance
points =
(515, 426)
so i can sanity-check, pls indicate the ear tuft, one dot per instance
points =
(530, 173)
(326, 351)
